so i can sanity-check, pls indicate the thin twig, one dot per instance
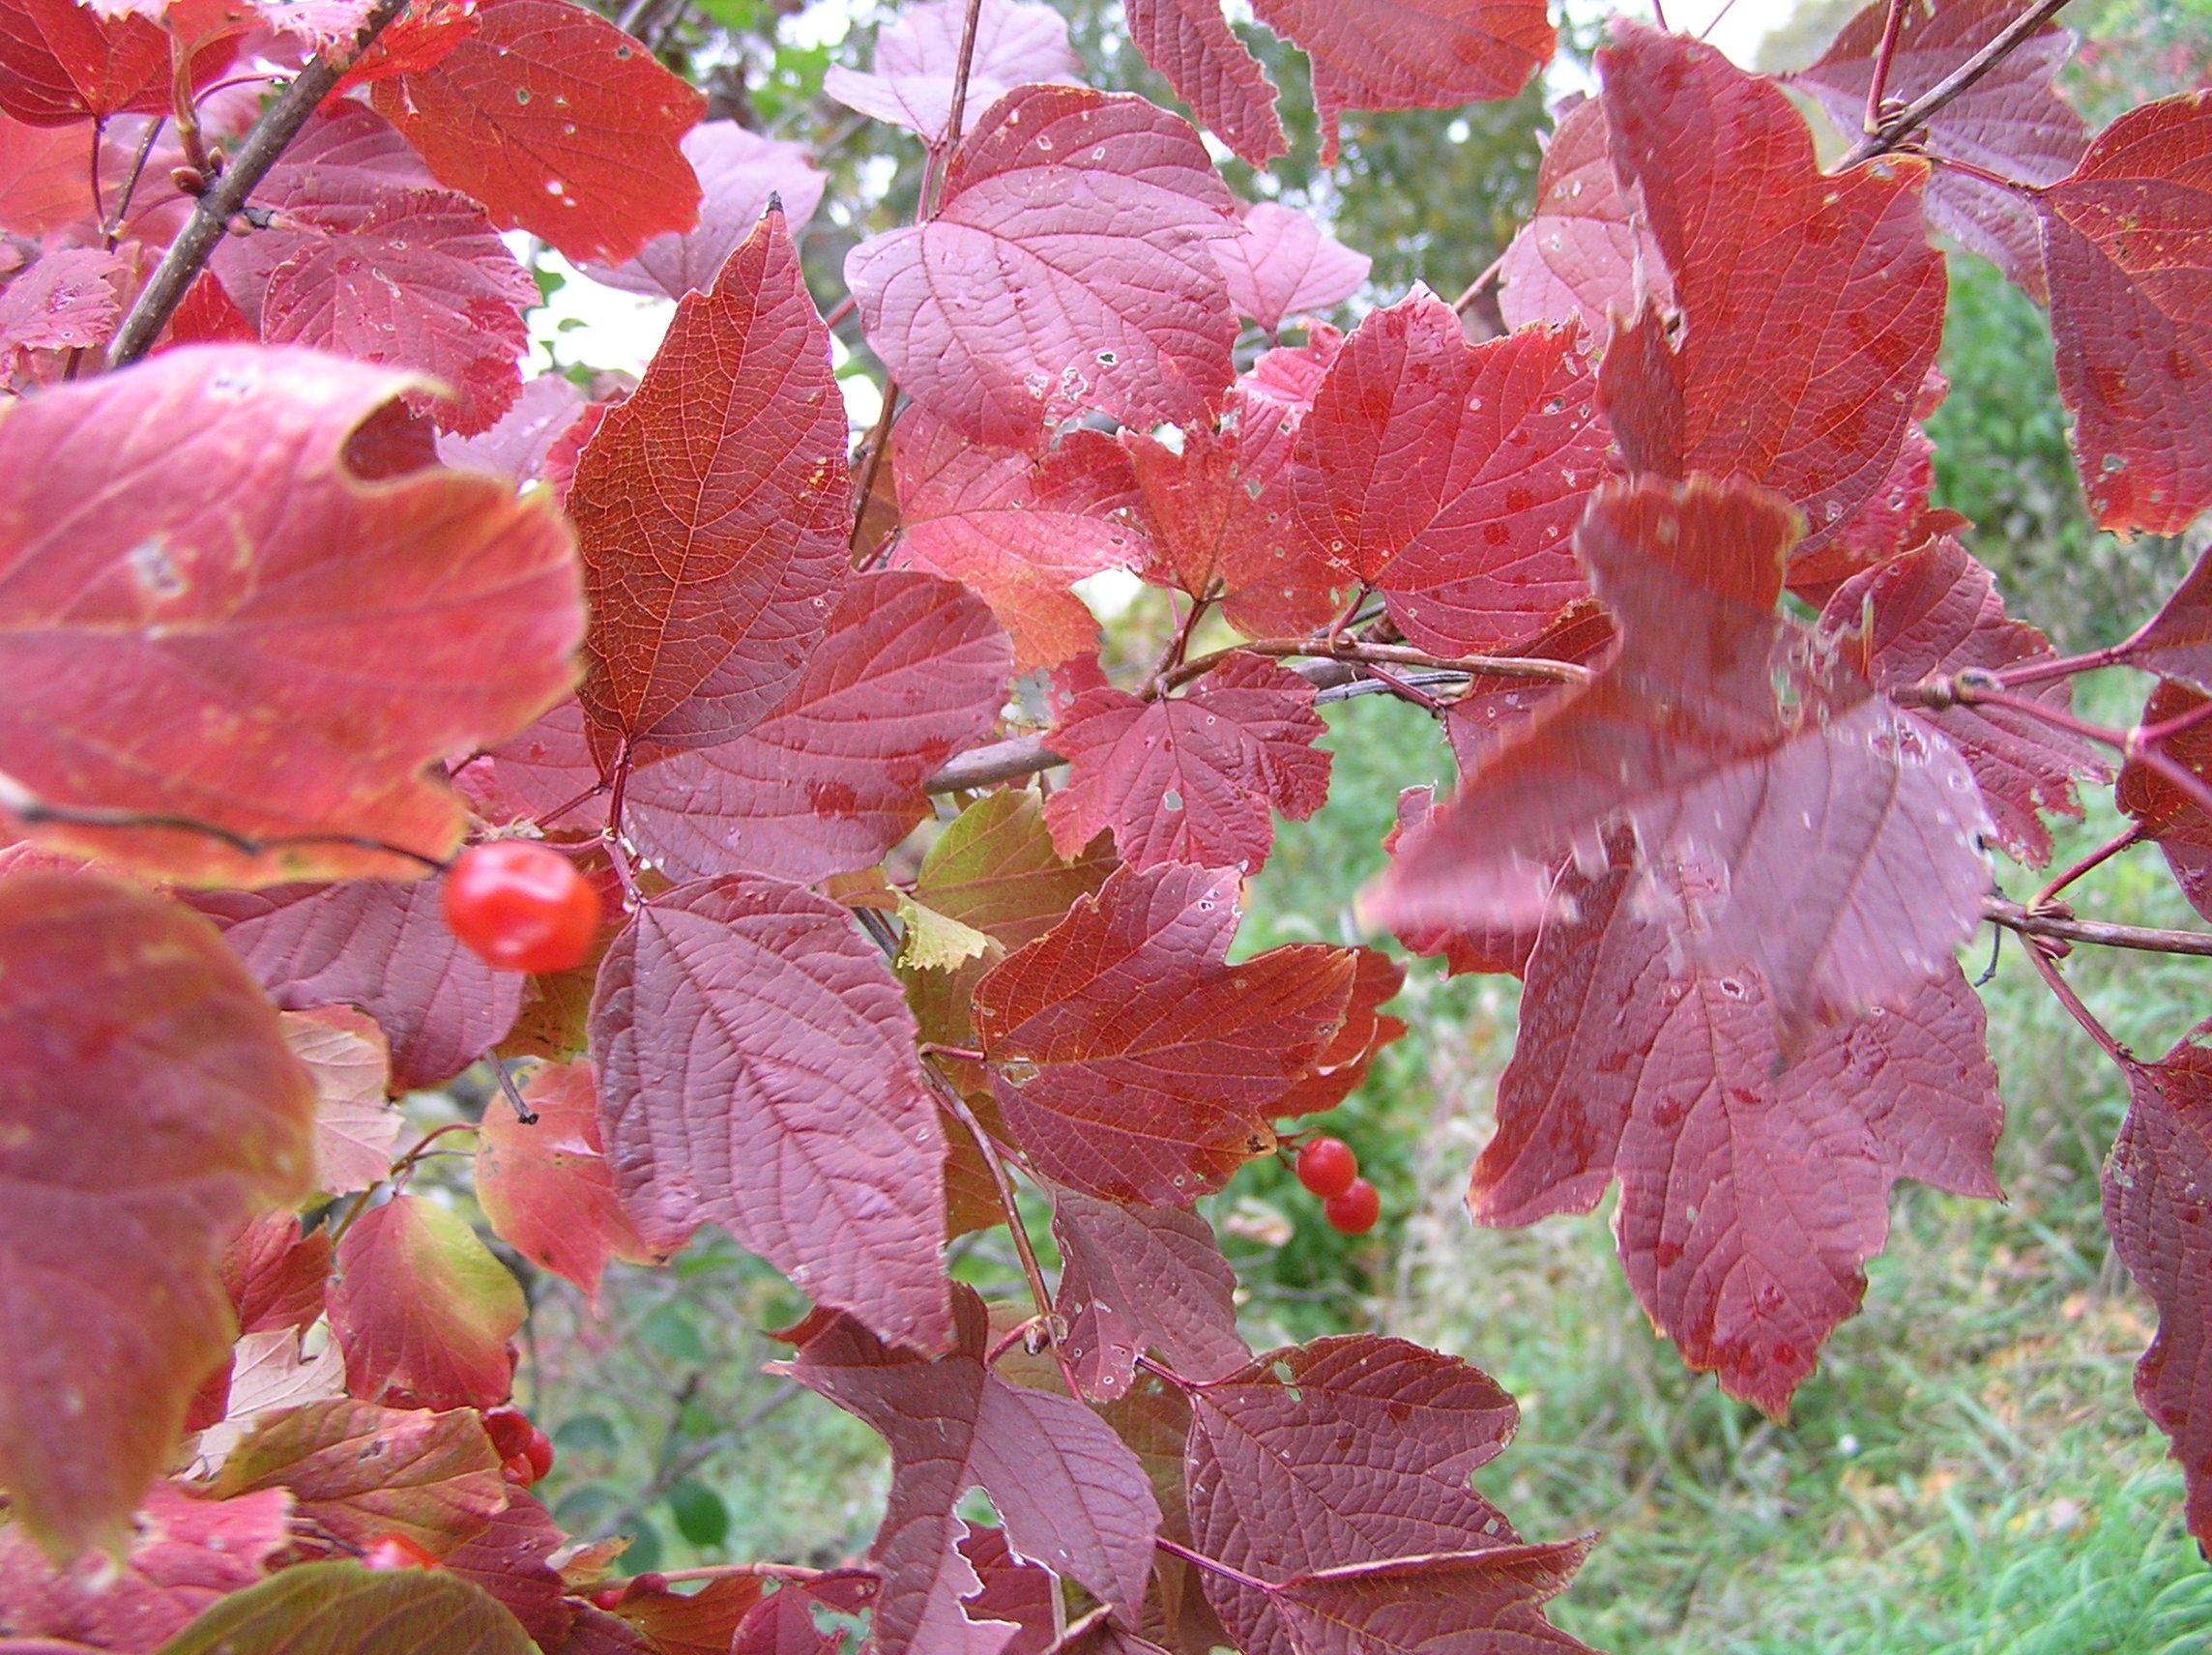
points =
(111, 223)
(2057, 983)
(1877, 84)
(878, 443)
(39, 813)
(952, 122)
(1211, 1565)
(226, 196)
(2063, 928)
(1473, 290)
(2096, 858)
(1915, 115)
(1388, 654)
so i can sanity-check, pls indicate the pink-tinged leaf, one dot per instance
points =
(1932, 612)
(1819, 835)
(65, 301)
(2011, 122)
(1497, 705)
(1451, 476)
(267, 1372)
(1191, 778)
(1129, 1061)
(918, 59)
(423, 1309)
(912, 670)
(1020, 532)
(1142, 1279)
(2162, 811)
(2177, 642)
(1013, 1591)
(1074, 226)
(1895, 518)
(275, 1275)
(419, 39)
(2155, 1183)
(1423, 1604)
(757, 1070)
(516, 444)
(182, 551)
(421, 283)
(1582, 257)
(711, 508)
(1811, 305)
(506, 1562)
(741, 172)
(1283, 264)
(1498, 950)
(44, 184)
(1343, 1063)
(147, 1079)
(382, 948)
(783, 1624)
(1189, 42)
(544, 1186)
(61, 65)
(560, 124)
(2127, 239)
(704, 1623)
(1071, 1496)
(1400, 54)
(350, 1061)
(342, 1609)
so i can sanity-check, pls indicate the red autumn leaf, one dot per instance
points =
(711, 506)
(421, 283)
(814, 1143)
(1812, 304)
(1429, 1603)
(507, 1562)
(1014, 1592)
(1802, 822)
(1343, 1063)
(1476, 948)
(516, 444)
(1581, 257)
(423, 1310)
(1073, 225)
(2011, 122)
(2177, 641)
(1368, 54)
(1189, 43)
(2125, 245)
(559, 123)
(1935, 611)
(1191, 778)
(1140, 1279)
(275, 1275)
(361, 1471)
(704, 1623)
(1895, 518)
(1451, 476)
(740, 172)
(544, 1186)
(784, 1624)
(2162, 810)
(1072, 1497)
(419, 39)
(383, 948)
(45, 183)
(182, 1555)
(912, 670)
(67, 299)
(918, 59)
(1283, 264)
(181, 553)
(350, 1061)
(1129, 1061)
(147, 1077)
(1019, 531)
(2155, 1184)
(61, 63)
(1497, 705)
(342, 1609)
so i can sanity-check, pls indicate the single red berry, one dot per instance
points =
(1327, 1167)
(607, 1598)
(396, 1551)
(521, 907)
(1356, 1209)
(518, 1470)
(649, 1584)
(541, 1453)
(510, 1430)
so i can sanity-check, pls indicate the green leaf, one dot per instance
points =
(936, 942)
(342, 1609)
(701, 1517)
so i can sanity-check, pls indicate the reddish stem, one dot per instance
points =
(1917, 114)
(1161, 1371)
(1996, 180)
(111, 223)
(2154, 734)
(2142, 939)
(2096, 858)
(1474, 289)
(1892, 26)
(952, 123)
(2062, 666)
(1211, 1565)
(726, 1571)
(2071, 1002)
(617, 785)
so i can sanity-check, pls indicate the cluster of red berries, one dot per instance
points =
(1329, 1169)
(525, 1452)
(521, 907)
(642, 1586)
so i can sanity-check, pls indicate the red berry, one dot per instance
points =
(607, 1598)
(541, 1453)
(518, 1470)
(396, 1551)
(510, 1430)
(1327, 1167)
(1356, 1209)
(521, 907)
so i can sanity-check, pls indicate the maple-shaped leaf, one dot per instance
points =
(275, 1275)
(1451, 476)
(182, 1555)
(1935, 611)
(65, 300)
(740, 173)
(148, 1079)
(917, 60)
(1895, 518)
(517, 443)
(184, 537)
(1411, 54)
(423, 1310)
(1070, 1497)
(784, 1623)
(1019, 531)
(1129, 1061)
(268, 1371)
(2162, 811)
(1343, 1063)
(507, 1563)
(1141, 1279)
(559, 123)
(61, 64)
(757, 1070)
(1581, 256)
(383, 948)
(2177, 642)
(1422, 1604)
(1811, 305)
(350, 1061)
(1074, 226)
(1464, 948)
(342, 1609)
(704, 1623)
(2011, 121)
(711, 507)
(1496, 706)
(544, 1185)
(1189, 43)
(2127, 237)
(44, 182)
(1802, 822)
(419, 39)
(1191, 778)
(2155, 1182)
(1283, 264)
(361, 1471)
